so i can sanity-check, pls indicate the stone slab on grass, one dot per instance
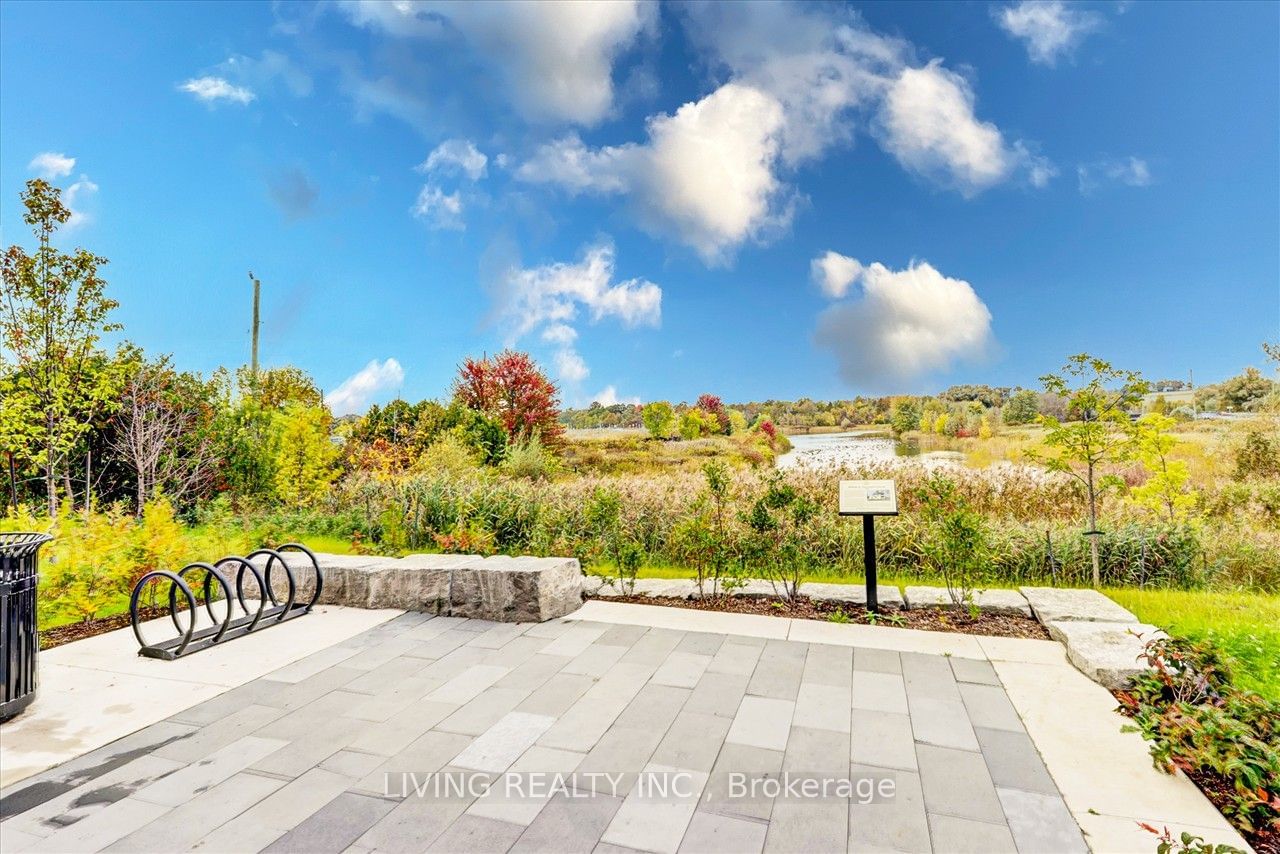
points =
(991, 601)
(887, 596)
(1054, 605)
(1107, 653)
(676, 588)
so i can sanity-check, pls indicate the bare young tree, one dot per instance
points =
(161, 432)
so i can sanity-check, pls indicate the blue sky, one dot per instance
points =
(755, 200)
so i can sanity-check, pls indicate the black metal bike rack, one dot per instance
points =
(269, 611)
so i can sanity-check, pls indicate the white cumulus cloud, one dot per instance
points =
(456, 155)
(77, 198)
(439, 210)
(1051, 29)
(211, 89)
(834, 273)
(554, 57)
(548, 299)
(608, 396)
(704, 178)
(905, 324)
(361, 388)
(52, 164)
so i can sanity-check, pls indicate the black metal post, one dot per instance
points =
(869, 560)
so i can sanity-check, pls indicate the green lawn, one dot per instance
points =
(1244, 625)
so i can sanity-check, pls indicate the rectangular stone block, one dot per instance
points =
(989, 601)
(1052, 604)
(1108, 653)
(517, 589)
(887, 596)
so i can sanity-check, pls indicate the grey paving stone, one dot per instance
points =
(762, 722)
(352, 763)
(710, 833)
(753, 763)
(1014, 762)
(416, 822)
(882, 739)
(551, 628)
(300, 755)
(942, 722)
(183, 784)
(736, 658)
(517, 651)
(389, 737)
(822, 707)
(989, 707)
(622, 635)
(654, 647)
(522, 804)
(336, 825)
(965, 836)
(928, 676)
(503, 743)
(779, 670)
(692, 742)
(427, 753)
(259, 691)
(379, 678)
(877, 660)
(648, 823)
(620, 754)
(476, 834)
(581, 726)
(484, 711)
(219, 734)
(188, 823)
(957, 783)
(682, 669)
(291, 805)
(878, 692)
(1041, 822)
(595, 660)
(556, 695)
(534, 672)
(701, 643)
(468, 684)
(1054, 604)
(104, 827)
(499, 635)
(568, 825)
(654, 707)
(816, 751)
(717, 694)
(826, 664)
(890, 824)
(973, 670)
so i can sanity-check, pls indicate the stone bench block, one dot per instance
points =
(507, 589)
(676, 588)
(990, 601)
(1053, 604)
(887, 595)
(1108, 653)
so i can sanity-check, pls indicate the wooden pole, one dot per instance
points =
(257, 290)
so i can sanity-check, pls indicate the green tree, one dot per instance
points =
(1165, 491)
(659, 419)
(957, 543)
(695, 423)
(1101, 396)
(906, 416)
(306, 458)
(54, 313)
(1022, 408)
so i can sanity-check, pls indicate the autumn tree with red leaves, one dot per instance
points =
(512, 388)
(713, 405)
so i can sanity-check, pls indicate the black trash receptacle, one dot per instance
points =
(19, 642)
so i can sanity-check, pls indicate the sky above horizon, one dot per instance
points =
(756, 200)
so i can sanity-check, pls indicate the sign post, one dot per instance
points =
(869, 499)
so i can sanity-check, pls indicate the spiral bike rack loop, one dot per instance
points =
(269, 609)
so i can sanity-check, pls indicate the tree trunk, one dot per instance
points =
(50, 481)
(13, 483)
(1093, 532)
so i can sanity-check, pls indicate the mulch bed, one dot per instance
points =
(1218, 789)
(49, 638)
(926, 619)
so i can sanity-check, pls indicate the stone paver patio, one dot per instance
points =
(324, 753)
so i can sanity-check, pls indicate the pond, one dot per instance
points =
(824, 449)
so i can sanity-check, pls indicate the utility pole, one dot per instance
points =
(257, 293)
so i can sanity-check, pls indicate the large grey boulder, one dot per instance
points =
(989, 601)
(1108, 653)
(887, 596)
(506, 589)
(1055, 604)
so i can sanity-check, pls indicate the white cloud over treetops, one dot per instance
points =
(52, 164)
(1051, 29)
(903, 325)
(555, 57)
(548, 299)
(712, 174)
(834, 273)
(361, 388)
(211, 89)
